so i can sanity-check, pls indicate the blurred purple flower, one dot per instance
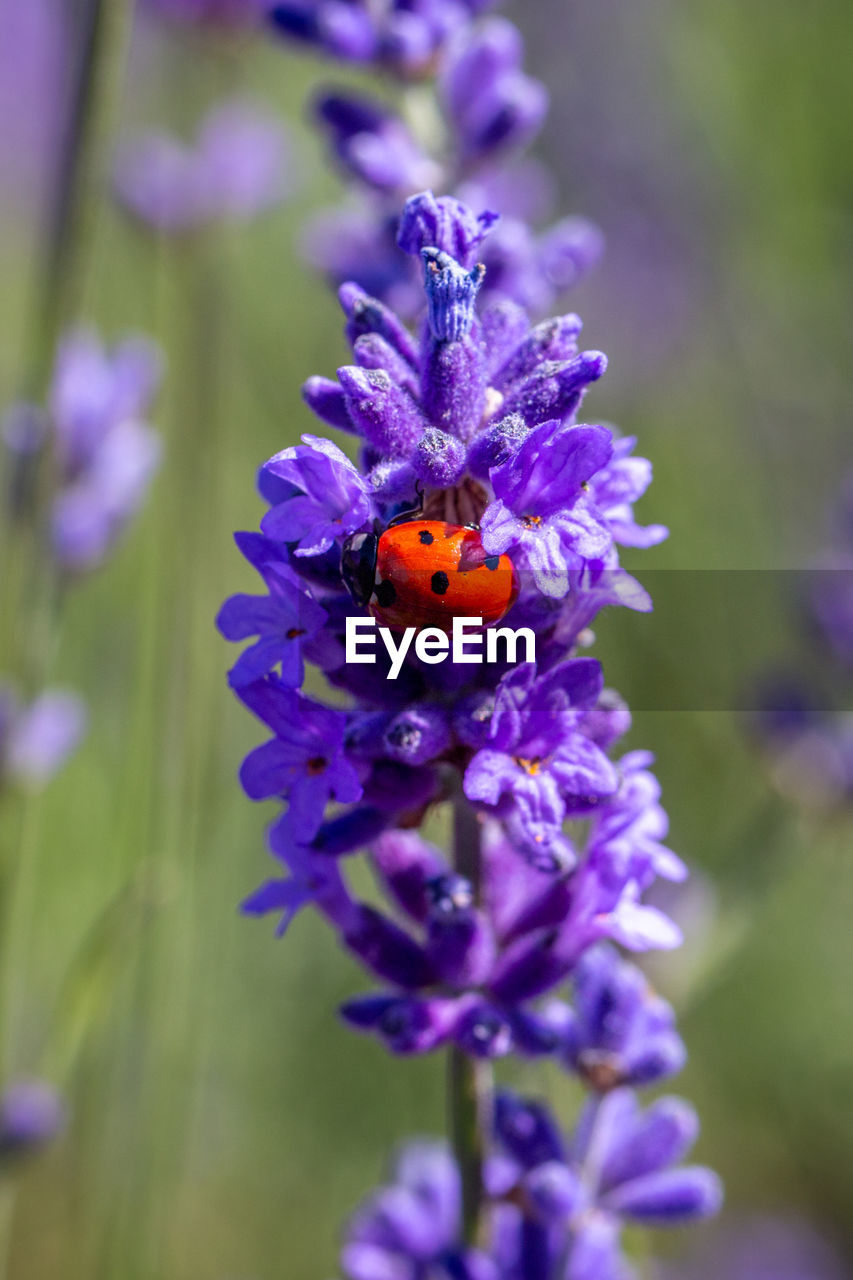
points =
(31, 1114)
(403, 36)
(372, 143)
(557, 1205)
(237, 168)
(491, 104)
(36, 740)
(535, 269)
(620, 1167)
(411, 1228)
(620, 1032)
(107, 453)
(357, 242)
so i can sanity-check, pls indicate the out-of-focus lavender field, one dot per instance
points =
(220, 1123)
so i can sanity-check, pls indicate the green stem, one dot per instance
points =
(469, 1079)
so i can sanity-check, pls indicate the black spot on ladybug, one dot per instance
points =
(491, 562)
(386, 594)
(426, 537)
(440, 582)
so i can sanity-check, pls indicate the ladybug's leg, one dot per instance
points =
(414, 513)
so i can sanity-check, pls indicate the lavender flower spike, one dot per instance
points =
(472, 422)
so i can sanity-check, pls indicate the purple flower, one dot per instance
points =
(536, 269)
(531, 930)
(331, 499)
(304, 761)
(341, 30)
(31, 1114)
(620, 1031)
(620, 1167)
(559, 1204)
(637, 1156)
(400, 35)
(234, 170)
(451, 292)
(36, 740)
(107, 453)
(372, 143)
(430, 222)
(542, 510)
(616, 487)
(93, 388)
(283, 621)
(563, 922)
(626, 841)
(492, 104)
(359, 242)
(538, 753)
(411, 1228)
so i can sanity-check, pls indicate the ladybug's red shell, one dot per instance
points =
(429, 572)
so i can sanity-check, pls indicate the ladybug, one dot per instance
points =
(425, 573)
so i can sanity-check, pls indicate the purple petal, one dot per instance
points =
(284, 896)
(670, 1198)
(550, 466)
(661, 1136)
(489, 775)
(267, 771)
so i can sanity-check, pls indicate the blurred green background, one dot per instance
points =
(222, 1122)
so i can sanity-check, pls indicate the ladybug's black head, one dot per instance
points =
(358, 565)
